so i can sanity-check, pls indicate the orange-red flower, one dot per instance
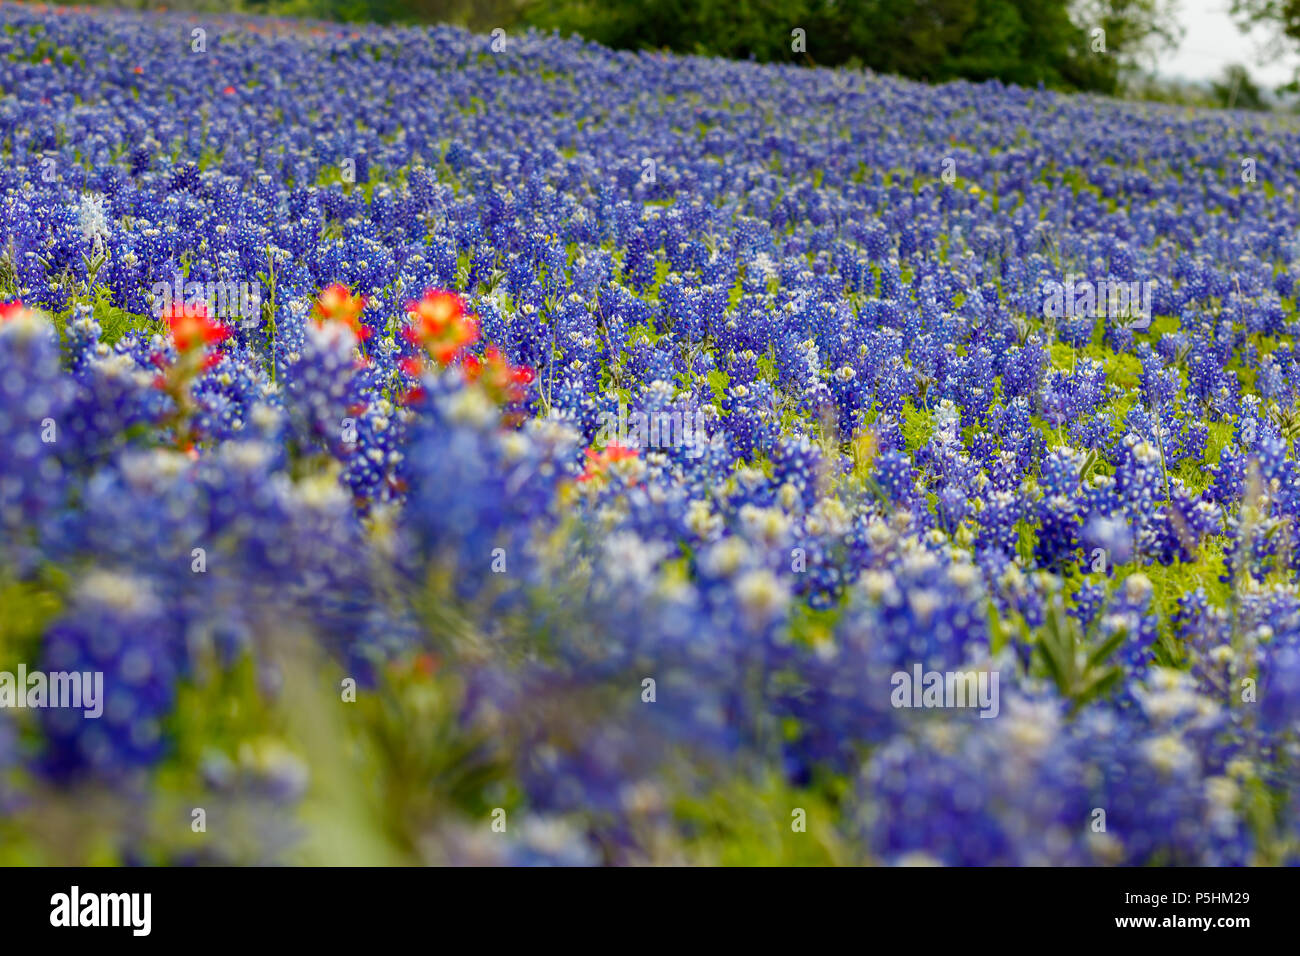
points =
(502, 381)
(337, 304)
(413, 396)
(192, 332)
(191, 327)
(598, 462)
(440, 326)
(13, 310)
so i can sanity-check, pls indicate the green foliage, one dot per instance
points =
(26, 608)
(1278, 13)
(718, 382)
(1236, 90)
(1015, 41)
(115, 323)
(748, 823)
(1280, 17)
(918, 426)
(1078, 668)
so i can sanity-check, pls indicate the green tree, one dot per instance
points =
(1282, 16)
(1016, 41)
(1280, 13)
(1236, 90)
(1136, 31)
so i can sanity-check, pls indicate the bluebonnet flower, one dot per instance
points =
(118, 630)
(905, 459)
(34, 397)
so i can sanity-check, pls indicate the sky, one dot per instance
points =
(1212, 41)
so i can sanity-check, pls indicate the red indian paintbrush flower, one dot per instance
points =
(192, 332)
(502, 381)
(598, 462)
(191, 327)
(440, 326)
(337, 304)
(9, 311)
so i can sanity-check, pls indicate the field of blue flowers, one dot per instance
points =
(500, 449)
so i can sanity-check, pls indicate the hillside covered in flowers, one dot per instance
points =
(497, 449)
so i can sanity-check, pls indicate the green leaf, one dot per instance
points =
(1097, 686)
(1106, 648)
